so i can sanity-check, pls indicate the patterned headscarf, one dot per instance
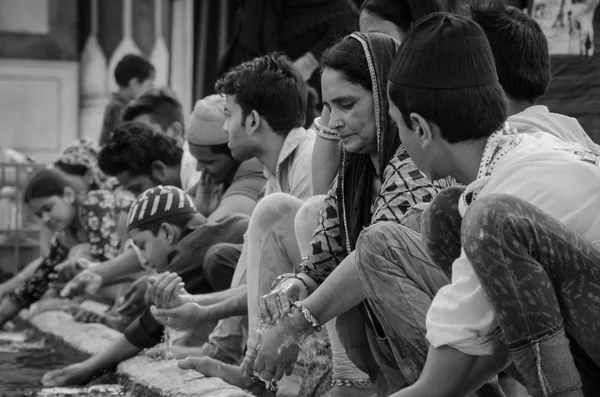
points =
(356, 174)
(82, 152)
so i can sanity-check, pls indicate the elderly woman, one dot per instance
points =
(393, 18)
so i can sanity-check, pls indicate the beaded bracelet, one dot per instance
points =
(286, 276)
(324, 132)
(308, 315)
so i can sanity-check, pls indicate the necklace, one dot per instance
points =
(497, 146)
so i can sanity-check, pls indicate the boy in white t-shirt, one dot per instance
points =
(520, 50)
(525, 285)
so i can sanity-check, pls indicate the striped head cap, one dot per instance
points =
(158, 203)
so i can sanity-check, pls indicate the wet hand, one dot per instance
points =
(167, 291)
(87, 282)
(134, 298)
(75, 374)
(277, 353)
(278, 303)
(181, 318)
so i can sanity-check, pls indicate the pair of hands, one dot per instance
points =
(207, 194)
(279, 347)
(172, 306)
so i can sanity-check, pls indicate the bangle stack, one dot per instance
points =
(286, 276)
(324, 132)
(307, 315)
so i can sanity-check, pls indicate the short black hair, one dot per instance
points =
(520, 49)
(134, 147)
(45, 183)
(347, 57)
(161, 104)
(270, 85)
(133, 66)
(179, 220)
(402, 13)
(461, 114)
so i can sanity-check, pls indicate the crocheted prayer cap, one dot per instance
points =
(206, 124)
(159, 203)
(443, 51)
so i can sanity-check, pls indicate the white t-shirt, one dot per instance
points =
(557, 177)
(538, 118)
(188, 174)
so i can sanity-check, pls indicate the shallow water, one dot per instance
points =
(25, 357)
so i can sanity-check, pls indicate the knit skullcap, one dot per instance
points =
(443, 51)
(206, 124)
(159, 203)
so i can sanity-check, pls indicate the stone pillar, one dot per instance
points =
(182, 52)
(160, 53)
(93, 78)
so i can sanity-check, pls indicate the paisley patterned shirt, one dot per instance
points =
(99, 213)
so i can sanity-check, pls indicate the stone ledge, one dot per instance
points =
(142, 375)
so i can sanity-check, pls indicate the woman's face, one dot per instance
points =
(352, 114)
(56, 212)
(369, 23)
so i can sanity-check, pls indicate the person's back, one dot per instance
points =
(557, 177)
(525, 73)
(566, 128)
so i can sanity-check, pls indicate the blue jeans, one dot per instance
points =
(400, 280)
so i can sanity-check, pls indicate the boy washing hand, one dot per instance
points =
(172, 306)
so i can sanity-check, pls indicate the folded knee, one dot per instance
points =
(274, 208)
(377, 239)
(307, 218)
